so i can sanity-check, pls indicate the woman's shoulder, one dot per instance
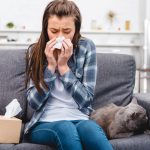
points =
(30, 48)
(86, 42)
(86, 45)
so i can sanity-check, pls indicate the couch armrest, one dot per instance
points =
(144, 101)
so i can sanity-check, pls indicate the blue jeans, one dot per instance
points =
(70, 135)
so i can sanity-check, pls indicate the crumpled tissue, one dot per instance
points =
(12, 109)
(59, 41)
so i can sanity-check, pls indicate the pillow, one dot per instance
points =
(115, 79)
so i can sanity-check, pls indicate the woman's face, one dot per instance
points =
(64, 26)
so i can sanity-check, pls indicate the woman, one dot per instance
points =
(61, 83)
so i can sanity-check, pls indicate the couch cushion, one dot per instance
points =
(30, 146)
(7, 146)
(115, 79)
(12, 79)
(138, 142)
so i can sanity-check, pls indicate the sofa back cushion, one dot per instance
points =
(115, 79)
(12, 79)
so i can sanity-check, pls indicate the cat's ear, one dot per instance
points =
(134, 100)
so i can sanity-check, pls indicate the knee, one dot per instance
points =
(68, 135)
(64, 126)
(92, 136)
(88, 128)
(66, 129)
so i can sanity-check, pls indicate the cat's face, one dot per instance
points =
(135, 117)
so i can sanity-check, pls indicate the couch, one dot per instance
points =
(115, 83)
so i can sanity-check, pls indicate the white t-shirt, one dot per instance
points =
(61, 106)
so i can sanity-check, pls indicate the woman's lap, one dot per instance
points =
(66, 135)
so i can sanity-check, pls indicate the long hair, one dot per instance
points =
(36, 58)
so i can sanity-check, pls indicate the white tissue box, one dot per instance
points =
(10, 129)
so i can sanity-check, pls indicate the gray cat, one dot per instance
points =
(119, 121)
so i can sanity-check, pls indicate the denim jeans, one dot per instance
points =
(70, 135)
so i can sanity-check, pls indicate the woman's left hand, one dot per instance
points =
(64, 56)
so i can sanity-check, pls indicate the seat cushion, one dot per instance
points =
(115, 79)
(7, 146)
(30, 146)
(12, 79)
(137, 142)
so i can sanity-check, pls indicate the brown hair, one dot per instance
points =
(36, 58)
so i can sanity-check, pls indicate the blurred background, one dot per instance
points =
(115, 26)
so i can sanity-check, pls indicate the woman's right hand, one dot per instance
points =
(49, 52)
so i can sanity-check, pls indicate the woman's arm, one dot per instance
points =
(83, 92)
(36, 99)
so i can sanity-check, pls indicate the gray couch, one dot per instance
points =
(115, 83)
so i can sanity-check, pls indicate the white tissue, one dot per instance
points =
(59, 41)
(12, 109)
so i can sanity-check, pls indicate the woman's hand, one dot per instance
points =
(64, 56)
(49, 52)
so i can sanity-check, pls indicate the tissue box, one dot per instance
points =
(10, 129)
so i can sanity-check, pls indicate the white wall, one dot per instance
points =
(29, 13)
(22, 12)
(147, 15)
(125, 9)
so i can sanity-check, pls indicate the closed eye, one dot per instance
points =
(54, 31)
(66, 31)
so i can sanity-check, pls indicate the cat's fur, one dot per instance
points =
(119, 121)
